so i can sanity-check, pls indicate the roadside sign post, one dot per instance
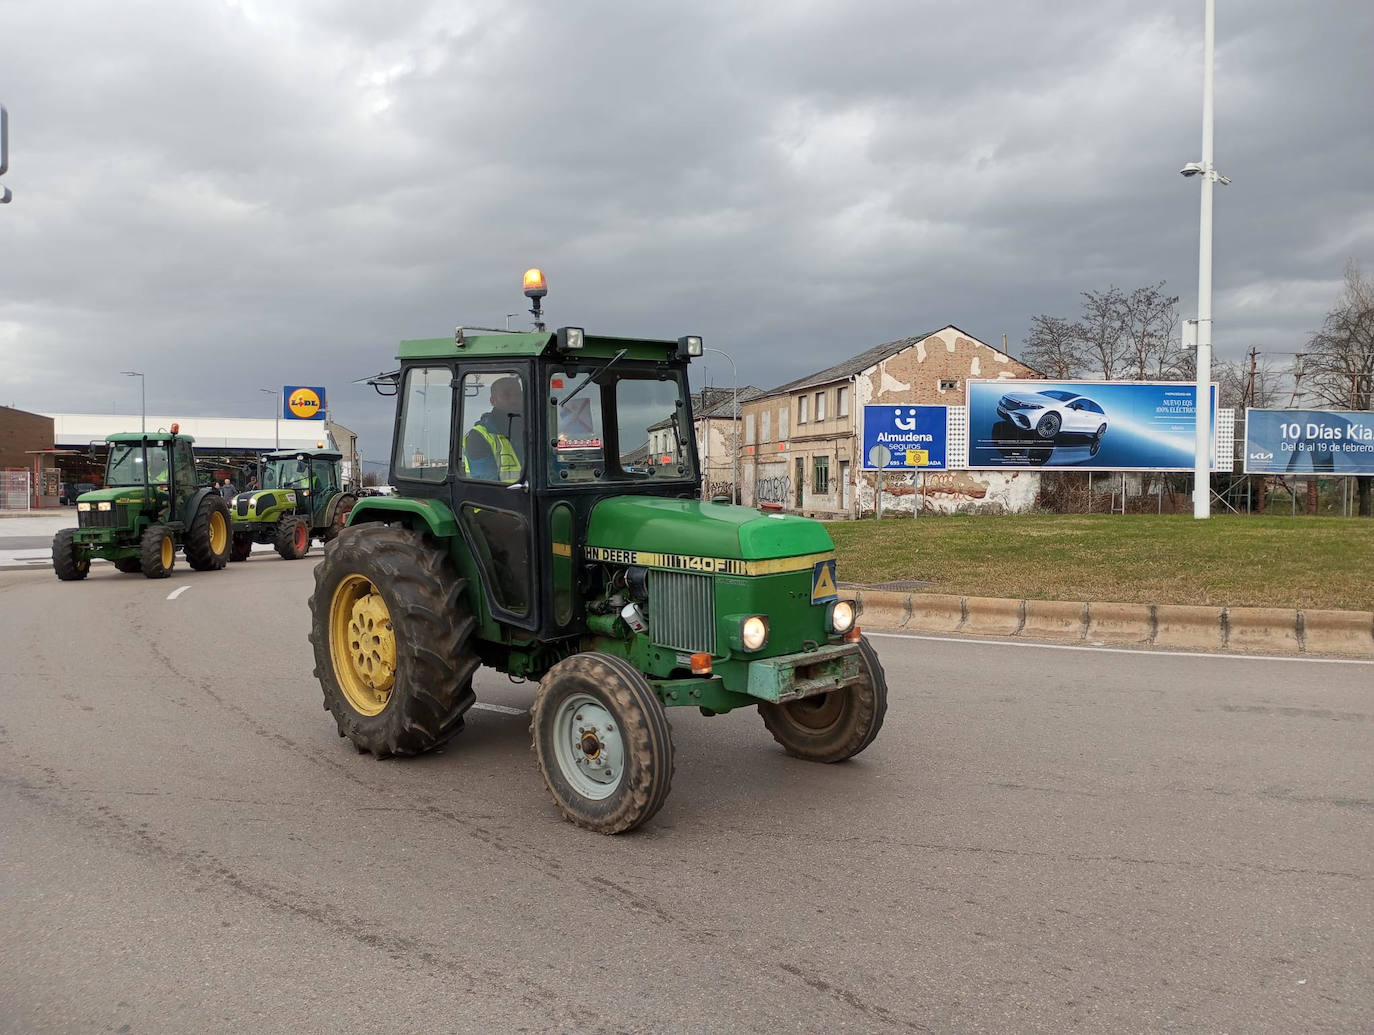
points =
(879, 457)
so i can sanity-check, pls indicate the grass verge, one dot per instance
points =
(1173, 559)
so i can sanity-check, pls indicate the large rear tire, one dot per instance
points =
(392, 637)
(128, 565)
(835, 726)
(603, 742)
(292, 540)
(69, 562)
(340, 519)
(207, 540)
(157, 552)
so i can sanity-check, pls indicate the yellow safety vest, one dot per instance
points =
(507, 463)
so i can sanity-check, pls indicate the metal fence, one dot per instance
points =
(15, 491)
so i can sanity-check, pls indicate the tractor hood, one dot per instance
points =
(650, 524)
(115, 494)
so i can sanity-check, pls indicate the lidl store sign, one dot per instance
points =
(301, 402)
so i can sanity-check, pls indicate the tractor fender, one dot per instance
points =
(433, 516)
(332, 507)
(193, 505)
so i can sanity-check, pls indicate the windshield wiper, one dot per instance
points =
(594, 376)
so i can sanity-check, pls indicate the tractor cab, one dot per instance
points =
(312, 473)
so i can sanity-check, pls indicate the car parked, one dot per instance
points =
(1052, 412)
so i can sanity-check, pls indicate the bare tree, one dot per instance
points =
(1339, 361)
(1246, 382)
(1103, 331)
(1149, 321)
(1054, 347)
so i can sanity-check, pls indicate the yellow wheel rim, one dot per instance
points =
(219, 533)
(168, 551)
(362, 645)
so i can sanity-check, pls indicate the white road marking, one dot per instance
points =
(1120, 650)
(178, 591)
(501, 708)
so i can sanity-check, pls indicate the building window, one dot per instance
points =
(820, 474)
(949, 384)
(820, 406)
(782, 423)
(749, 429)
(766, 423)
(801, 409)
(842, 401)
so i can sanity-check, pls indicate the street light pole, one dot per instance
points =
(143, 398)
(1202, 441)
(276, 415)
(734, 424)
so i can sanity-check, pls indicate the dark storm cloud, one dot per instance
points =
(239, 195)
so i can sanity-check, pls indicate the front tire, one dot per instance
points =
(1049, 425)
(835, 726)
(70, 563)
(207, 540)
(603, 742)
(340, 519)
(392, 637)
(128, 565)
(157, 552)
(292, 540)
(241, 547)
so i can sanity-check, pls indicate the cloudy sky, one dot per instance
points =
(237, 194)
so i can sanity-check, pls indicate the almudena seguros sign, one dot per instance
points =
(1334, 442)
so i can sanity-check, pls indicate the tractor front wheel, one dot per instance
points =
(157, 552)
(293, 537)
(241, 547)
(835, 726)
(128, 565)
(70, 562)
(207, 540)
(393, 640)
(603, 742)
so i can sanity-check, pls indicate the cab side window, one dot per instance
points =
(422, 444)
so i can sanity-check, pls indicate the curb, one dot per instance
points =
(1247, 630)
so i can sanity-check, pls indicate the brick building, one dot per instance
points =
(802, 445)
(26, 445)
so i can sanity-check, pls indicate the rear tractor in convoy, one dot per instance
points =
(153, 504)
(548, 525)
(301, 499)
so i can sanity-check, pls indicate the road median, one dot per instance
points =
(1242, 630)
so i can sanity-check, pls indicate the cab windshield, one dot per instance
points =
(628, 424)
(127, 460)
(286, 474)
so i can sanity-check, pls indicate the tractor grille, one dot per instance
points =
(682, 611)
(243, 503)
(116, 517)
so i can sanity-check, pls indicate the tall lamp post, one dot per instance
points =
(735, 419)
(1202, 442)
(142, 396)
(276, 414)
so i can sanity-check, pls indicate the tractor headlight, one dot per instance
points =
(841, 617)
(83, 506)
(753, 634)
(103, 505)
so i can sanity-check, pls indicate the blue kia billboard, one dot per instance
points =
(1335, 442)
(1083, 425)
(914, 437)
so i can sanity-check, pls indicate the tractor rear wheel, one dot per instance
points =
(71, 564)
(293, 537)
(241, 547)
(157, 552)
(340, 518)
(207, 540)
(603, 742)
(128, 565)
(835, 726)
(393, 640)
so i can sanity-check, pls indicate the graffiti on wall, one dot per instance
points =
(773, 490)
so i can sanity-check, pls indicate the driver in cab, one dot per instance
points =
(494, 450)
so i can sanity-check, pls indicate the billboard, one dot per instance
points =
(1334, 442)
(1083, 425)
(302, 402)
(914, 437)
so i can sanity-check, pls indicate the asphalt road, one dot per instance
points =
(1040, 839)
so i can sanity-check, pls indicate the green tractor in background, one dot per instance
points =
(301, 499)
(152, 505)
(549, 526)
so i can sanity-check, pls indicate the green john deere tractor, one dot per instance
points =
(152, 505)
(548, 525)
(301, 499)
